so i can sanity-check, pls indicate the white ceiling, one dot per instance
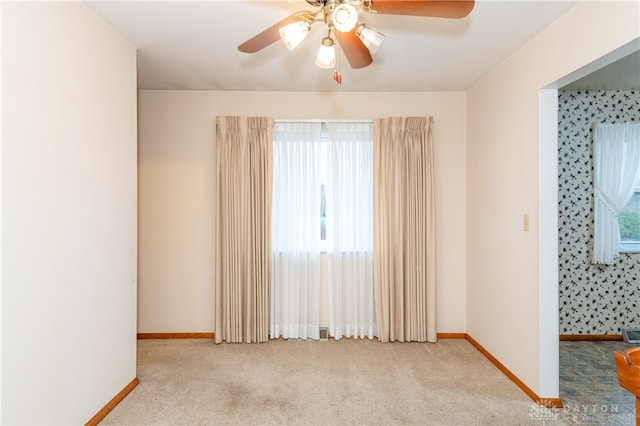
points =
(192, 45)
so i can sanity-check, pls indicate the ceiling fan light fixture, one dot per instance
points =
(370, 37)
(293, 34)
(326, 54)
(345, 17)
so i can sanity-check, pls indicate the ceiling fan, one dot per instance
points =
(340, 17)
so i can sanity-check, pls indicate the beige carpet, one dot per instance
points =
(195, 382)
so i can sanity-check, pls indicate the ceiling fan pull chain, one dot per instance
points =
(337, 76)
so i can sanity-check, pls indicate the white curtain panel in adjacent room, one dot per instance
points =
(349, 245)
(295, 287)
(616, 156)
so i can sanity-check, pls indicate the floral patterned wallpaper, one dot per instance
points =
(594, 299)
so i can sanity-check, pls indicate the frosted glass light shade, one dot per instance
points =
(370, 37)
(326, 54)
(293, 34)
(345, 18)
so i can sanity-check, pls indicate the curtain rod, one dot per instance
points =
(318, 120)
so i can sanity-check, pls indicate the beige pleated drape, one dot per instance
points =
(243, 228)
(404, 230)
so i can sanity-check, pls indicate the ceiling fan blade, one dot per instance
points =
(431, 8)
(271, 34)
(356, 52)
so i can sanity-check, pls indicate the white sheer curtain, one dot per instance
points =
(616, 156)
(295, 235)
(349, 204)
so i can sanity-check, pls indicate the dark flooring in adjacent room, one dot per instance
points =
(589, 386)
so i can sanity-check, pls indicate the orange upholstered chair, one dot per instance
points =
(628, 366)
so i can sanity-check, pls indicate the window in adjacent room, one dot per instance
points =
(629, 223)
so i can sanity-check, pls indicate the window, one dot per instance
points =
(629, 223)
(323, 213)
(325, 175)
(322, 178)
(324, 137)
(322, 202)
(616, 168)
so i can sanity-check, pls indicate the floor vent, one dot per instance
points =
(631, 335)
(324, 333)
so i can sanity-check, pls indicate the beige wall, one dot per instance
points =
(176, 185)
(506, 297)
(68, 213)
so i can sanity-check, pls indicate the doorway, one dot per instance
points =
(551, 306)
